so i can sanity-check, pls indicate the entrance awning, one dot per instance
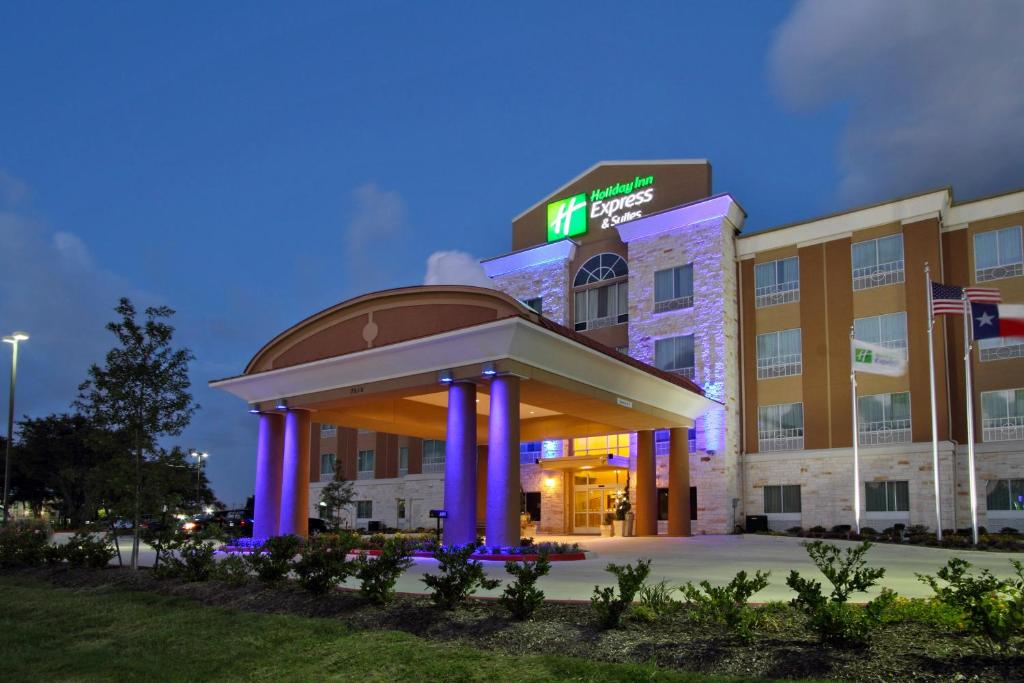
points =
(595, 463)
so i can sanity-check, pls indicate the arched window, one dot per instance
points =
(601, 305)
(605, 266)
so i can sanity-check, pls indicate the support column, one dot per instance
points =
(295, 474)
(646, 506)
(460, 465)
(678, 482)
(503, 463)
(269, 455)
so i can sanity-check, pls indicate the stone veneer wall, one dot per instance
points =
(714, 322)
(995, 460)
(422, 493)
(826, 483)
(550, 281)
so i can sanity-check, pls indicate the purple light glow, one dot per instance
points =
(269, 462)
(295, 475)
(503, 463)
(460, 465)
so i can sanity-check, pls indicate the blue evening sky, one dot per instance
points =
(251, 163)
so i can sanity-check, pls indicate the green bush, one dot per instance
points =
(657, 597)
(459, 576)
(232, 569)
(727, 605)
(830, 617)
(272, 560)
(194, 560)
(23, 543)
(323, 561)
(992, 608)
(378, 576)
(82, 550)
(610, 606)
(522, 597)
(925, 611)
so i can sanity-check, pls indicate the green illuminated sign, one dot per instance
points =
(567, 217)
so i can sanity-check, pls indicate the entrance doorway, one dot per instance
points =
(594, 495)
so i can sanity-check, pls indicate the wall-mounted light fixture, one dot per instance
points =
(489, 369)
(254, 409)
(445, 377)
(282, 404)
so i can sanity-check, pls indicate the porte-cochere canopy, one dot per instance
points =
(465, 364)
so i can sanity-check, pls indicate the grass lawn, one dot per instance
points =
(53, 633)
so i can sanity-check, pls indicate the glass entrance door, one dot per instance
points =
(594, 495)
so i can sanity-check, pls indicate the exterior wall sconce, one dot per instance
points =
(445, 377)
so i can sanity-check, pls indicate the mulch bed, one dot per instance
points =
(899, 652)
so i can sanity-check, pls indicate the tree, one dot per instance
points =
(335, 497)
(142, 391)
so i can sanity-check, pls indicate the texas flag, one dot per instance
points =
(997, 320)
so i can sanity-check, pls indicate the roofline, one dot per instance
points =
(634, 162)
(989, 196)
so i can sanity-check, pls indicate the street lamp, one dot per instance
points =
(13, 340)
(199, 472)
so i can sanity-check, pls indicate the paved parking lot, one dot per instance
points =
(715, 558)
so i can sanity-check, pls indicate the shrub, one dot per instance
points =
(657, 597)
(925, 611)
(993, 608)
(323, 561)
(232, 569)
(835, 621)
(459, 576)
(1008, 530)
(272, 560)
(377, 577)
(23, 543)
(795, 530)
(522, 597)
(610, 606)
(727, 605)
(82, 550)
(195, 561)
(817, 529)
(868, 531)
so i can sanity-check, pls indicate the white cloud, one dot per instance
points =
(455, 268)
(934, 90)
(12, 190)
(379, 216)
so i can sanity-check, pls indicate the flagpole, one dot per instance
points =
(935, 418)
(972, 484)
(856, 439)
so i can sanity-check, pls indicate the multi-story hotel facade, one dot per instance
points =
(643, 258)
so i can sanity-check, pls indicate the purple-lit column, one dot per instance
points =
(646, 505)
(678, 482)
(460, 465)
(502, 524)
(295, 474)
(269, 454)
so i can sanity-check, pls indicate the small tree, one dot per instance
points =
(142, 391)
(459, 576)
(727, 605)
(378, 576)
(335, 497)
(522, 597)
(609, 606)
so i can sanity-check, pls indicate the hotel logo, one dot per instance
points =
(567, 217)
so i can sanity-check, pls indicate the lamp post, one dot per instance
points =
(199, 472)
(13, 340)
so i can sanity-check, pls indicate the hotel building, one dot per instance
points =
(747, 336)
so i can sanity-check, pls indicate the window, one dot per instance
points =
(529, 452)
(401, 508)
(663, 504)
(777, 282)
(883, 418)
(536, 303)
(603, 306)
(889, 330)
(1000, 348)
(1002, 415)
(613, 444)
(364, 509)
(662, 441)
(403, 461)
(673, 288)
(779, 354)
(878, 262)
(327, 431)
(886, 496)
(782, 500)
(364, 465)
(998, 254)
(433, 456)
(327, 461)
(675, 354)
(1005, 494)
(780, 427)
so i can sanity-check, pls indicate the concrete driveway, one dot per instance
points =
(715, 558)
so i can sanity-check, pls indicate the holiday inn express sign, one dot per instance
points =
(610, 193)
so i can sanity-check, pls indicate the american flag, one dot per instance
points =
(947, 299)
